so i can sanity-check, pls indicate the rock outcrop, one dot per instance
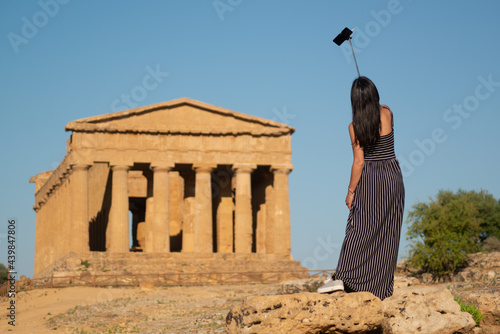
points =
(424, 310)
(480, 266)
(307, 313)
(410, 310)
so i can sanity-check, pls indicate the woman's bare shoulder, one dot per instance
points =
(350, 128)
(386, 119)
(385, 109)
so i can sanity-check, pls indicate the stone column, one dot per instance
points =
(203, 226)
(175, 206)
(117, 236)
(175, 197)
(148, 248)
(189, 215)
(161, 228)
(270, 236)
(261, 229)
(282, 242)
(224, 217)
(79, 209)
(260, 208)
(243, 229)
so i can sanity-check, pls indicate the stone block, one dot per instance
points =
(307, 313)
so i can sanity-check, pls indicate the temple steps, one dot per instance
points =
(174, 268)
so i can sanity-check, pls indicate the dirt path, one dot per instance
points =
(123, 310)
(35, 307)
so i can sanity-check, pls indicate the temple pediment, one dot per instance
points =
(182, 115)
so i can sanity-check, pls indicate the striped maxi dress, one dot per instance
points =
(370, 249)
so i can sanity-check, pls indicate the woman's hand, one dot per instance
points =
(348, 200)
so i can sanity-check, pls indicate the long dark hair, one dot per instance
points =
(365, 111)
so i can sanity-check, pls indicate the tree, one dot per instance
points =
(443, 231)
(3, 273)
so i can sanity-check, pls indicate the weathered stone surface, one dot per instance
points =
(480, 267)
(473, 274)
(147, 285)
(410, 310)
(485, 260)
(310, 284)
(424, 310)
(307, 313)
(187, 268)
(405, 281)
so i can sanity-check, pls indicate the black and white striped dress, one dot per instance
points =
(369, 253)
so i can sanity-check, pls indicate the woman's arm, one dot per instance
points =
(357, 167)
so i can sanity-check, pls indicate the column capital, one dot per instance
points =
(120, 167)
(244, 167)
(161, 168)
(281, 169)
(79, 167)
(204, 168)
(162, 165)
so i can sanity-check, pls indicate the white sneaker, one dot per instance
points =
(331, 286)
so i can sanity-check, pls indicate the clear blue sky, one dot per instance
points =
(435, 64)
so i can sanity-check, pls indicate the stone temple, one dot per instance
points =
(175, 187)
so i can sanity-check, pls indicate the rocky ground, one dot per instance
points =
(200, 309)
(195, 309)
(165, 310)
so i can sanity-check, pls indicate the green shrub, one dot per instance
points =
(3, 273)
(443, 231)
(470, 308)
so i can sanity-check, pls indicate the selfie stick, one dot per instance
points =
(345, 35)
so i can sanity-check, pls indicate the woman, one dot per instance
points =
(375, 198)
